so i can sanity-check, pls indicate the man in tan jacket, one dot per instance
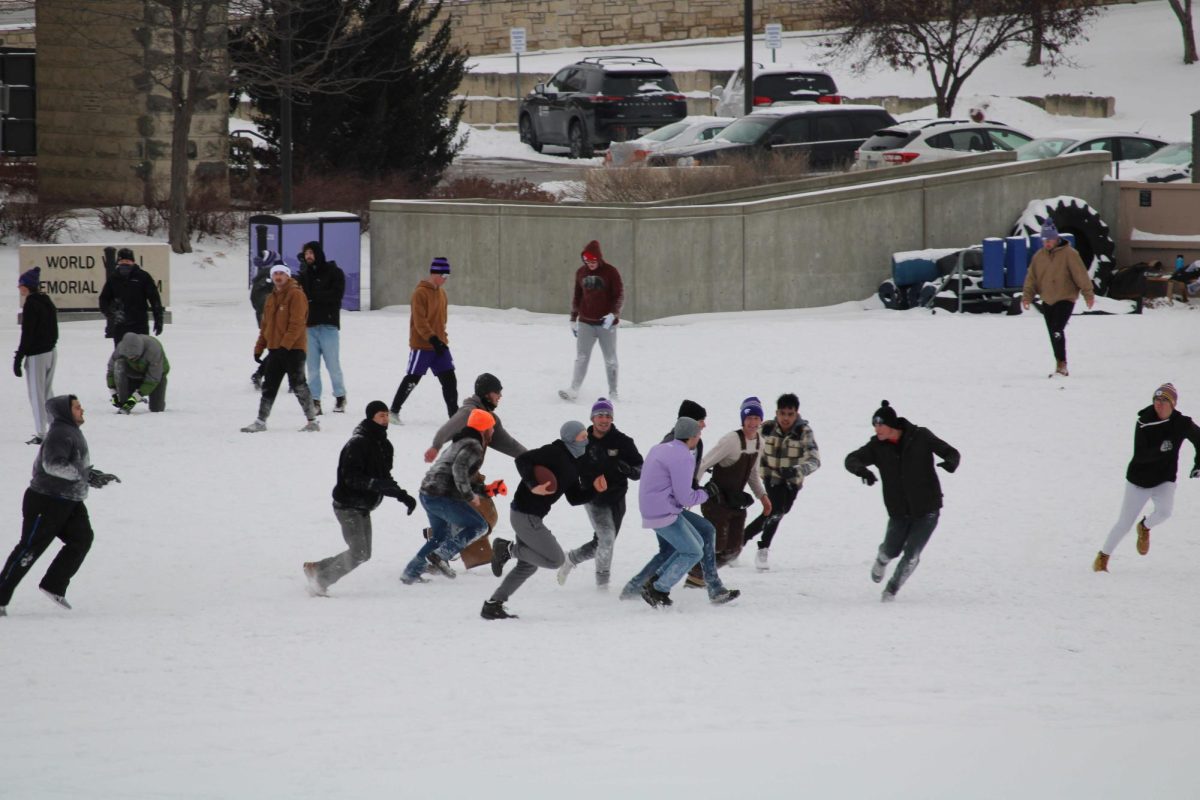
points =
(1058, 275)
(284, 335)
(427, 340)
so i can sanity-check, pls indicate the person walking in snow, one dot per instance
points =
(283, 337)
(1151, 473)
(535, 545)
(324, 285)
(137, 371)
(37, 352)
(734, 464)
(129, 291)
(364, 478)
(1057, 274)
(717, 593)
(789, 455)
(595, 314)
(429, 347)
(904, 454)
(612, 454)
(452, 499)
(261, 287)
(53, 506)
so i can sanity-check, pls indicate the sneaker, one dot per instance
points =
(760, 560)
(1101, 562)
(693, 582)
(1060, 368)
(394, 418)
(256, 426)
(601, 580)
(312, 426)
(256, 379)
(877, 570)
(317, 408)
(614, 396)
(493, 610)
(568, 394)
(501, 553)
(439, 564)
(1143, 542)
(35, 440)
(409, 580)
(339, 405)
(654, 597)
(724, 596)
(887, 596)
(628, 593)
(565, 570)
(315, 588)
(57, 598)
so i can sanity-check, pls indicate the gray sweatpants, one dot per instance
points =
(605, 523)
(356, 530)
(588, 336)
(39, 380)
(534, 546)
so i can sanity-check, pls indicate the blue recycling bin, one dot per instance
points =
(283, 235)
(993, 263)
(1016, 261)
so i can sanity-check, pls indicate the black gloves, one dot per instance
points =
(158, 321)
(868, 477)
(17, 363)
(258, 357)
(391, 489)
(946, 465)
(98, 479)
(713, 491)
(789, 473)
(409, 502)
(628, 470)
(439, 346)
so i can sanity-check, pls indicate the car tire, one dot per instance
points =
(1074, 216)
(528, 134)
(580, 144)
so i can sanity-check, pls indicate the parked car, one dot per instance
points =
(688, 130)
(1123, 146)
(774, 85)
(936, 140)
(827, 135)
(599, 100)
(1172, 163)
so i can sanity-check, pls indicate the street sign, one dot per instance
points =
(774, 36)
(516, 39)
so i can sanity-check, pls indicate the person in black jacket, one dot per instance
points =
(126, 295)
(324, 284)
(364, 478)
(535, 545)
(615, 456)
(261, 287)
(904, 454)
(36, 354)
(1151, 474)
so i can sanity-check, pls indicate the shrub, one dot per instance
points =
(18, 178)
(209, 214)
(475, 186)
(122, 218)
(33, 221)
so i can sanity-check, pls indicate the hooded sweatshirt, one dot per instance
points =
(427, 316)
(666, 487)
(1156, 447)
(139, 355)
(324, 285)
(62, 465)
(502, 441)
(598, 291)
(364, 467)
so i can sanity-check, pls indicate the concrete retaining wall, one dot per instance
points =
(810, 247)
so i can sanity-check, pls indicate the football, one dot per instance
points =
(544, 475)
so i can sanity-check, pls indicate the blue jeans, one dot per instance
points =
(708, 558)
(323, 341)
(453, 524)
(686, 546)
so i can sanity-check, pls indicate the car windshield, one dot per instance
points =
(667, 132)
(793, 86)
(746, 130)
(624, 84)
(888, 140)
(1044, 148)
(1177, 155)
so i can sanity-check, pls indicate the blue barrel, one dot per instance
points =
(1035, 244)
(1069, 238)
(1016, 261)
(993, 263)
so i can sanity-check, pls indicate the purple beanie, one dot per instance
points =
(31, 279)
(751, 407)
(602, 406)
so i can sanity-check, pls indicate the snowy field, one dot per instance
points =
(195, 666)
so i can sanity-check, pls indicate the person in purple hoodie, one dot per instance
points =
(665, 491)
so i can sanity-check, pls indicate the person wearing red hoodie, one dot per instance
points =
(595, 314)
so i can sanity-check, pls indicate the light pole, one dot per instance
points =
(748, 56)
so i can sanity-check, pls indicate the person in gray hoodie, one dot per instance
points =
(137, 370)
(53, 506)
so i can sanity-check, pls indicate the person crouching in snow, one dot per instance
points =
(1160, 431)
(137, 370)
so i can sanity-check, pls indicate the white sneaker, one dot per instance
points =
(878, 568)
(394, 418)
(255, 427)
(311, 427)
(568, 394)
(57, 598)
(760, 560)
(564, 571)
(315, 589)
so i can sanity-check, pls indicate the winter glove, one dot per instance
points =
(132, 401)
(868, 477)
(1195, 473)
(574, 328)
(116, 401)
(947, 466)
(609, 320)
(17, 363)
(713, 491)
(628, 470)
(98, 479)
(158, 322)
(495, 487)
(439, 346)
(409, 502)
(789, 473)
(258, 356)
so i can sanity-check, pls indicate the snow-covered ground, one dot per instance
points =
(195, 666)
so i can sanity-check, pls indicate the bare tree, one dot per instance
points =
(948, 39)
(1183, 10)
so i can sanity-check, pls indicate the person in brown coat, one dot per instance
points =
(427, 340)
(284, 335)
(1058, 275)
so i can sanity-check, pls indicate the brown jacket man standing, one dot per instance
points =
(1058, 275)
(284, 335)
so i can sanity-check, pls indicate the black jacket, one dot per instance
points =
(910, 485)
(324, 283)
(125, 299)
(364, 468)
(614, 456)
(260, 289)
(558, 459)
(39, 325)
(1156, 447)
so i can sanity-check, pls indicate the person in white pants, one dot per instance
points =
(36, 354)
(1160, 431)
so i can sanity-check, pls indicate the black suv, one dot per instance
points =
(827, 135)
(599, 100)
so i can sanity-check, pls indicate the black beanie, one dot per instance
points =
(487, 383)
(692, 410)
(884, 415)
(374, 407)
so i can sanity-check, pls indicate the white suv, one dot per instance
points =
(936, 140)
(776, 85)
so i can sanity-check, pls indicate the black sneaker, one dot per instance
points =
(724, 596)
(339, 405)
(440, 565)
(493, 610)
(317, 408)
(500, 555)
(35, 440)
(889, 593)
(654, 597)
(257, 380)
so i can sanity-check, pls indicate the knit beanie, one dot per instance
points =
(374, 407)
(884, 415)
(440, 266)
(692, 410)
(1049, 231)
(602, 406)
(481, 420)
(592, 251)
(284, 268)
(31, 279)
(125, 254)
(568, 432)
(1167, 391)
(487, 383)
(686, 428)
(751, 407)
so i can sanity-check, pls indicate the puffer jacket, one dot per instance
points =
(450, 476)
(324, 283)
(364, 467)
(63, 463)
(139, 355)
(285, 320)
